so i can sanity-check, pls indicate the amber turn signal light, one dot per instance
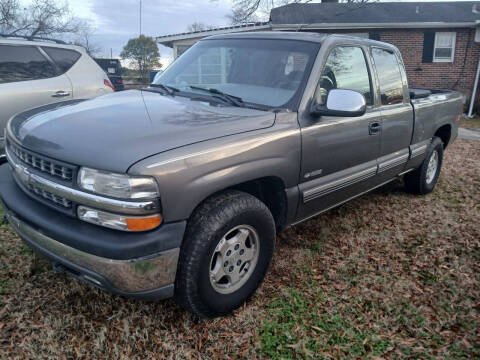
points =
(119, 222)
(143, 224)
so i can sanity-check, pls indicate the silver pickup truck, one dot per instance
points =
(179, 189)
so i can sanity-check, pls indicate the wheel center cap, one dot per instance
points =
(235, 257)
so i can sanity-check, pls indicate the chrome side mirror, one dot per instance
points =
(341, 103)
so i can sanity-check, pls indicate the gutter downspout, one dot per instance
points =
(474, 92)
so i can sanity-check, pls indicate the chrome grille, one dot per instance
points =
(50, 197)
(40, 163)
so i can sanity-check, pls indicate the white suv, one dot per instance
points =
(40, 72)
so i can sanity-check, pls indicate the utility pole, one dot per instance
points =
(140, 17)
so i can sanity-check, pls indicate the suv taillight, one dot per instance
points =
(109, 84)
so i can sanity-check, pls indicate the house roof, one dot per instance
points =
(377, 12)
(368, 15)
(168, 39)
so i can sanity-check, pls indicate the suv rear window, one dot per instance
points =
(64, 58)
(23, 63)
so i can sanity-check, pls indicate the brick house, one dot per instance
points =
(439, 41)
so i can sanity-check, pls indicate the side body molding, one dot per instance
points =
(336, 181)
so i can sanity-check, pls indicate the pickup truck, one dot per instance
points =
(178, 190)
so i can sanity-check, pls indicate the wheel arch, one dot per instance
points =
(444, 132)
(268, 189)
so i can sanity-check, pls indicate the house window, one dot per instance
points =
(444, 50)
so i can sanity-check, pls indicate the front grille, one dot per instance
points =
(58, 200)
(41, 163)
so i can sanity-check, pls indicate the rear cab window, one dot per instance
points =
(389, 76)
(63, 58)
(24, 63)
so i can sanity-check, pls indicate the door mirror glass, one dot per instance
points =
(341, 102)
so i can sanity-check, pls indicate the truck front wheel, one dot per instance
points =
(225, 254)
(423, 180)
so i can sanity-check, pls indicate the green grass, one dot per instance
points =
(299, 326)
(304, 322)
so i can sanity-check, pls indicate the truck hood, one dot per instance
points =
(114, 131)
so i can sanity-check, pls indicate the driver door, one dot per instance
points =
(339, 154)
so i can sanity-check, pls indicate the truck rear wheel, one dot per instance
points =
(423, 180)
(225, 254)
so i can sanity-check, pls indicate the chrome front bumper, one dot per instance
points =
(151, 276)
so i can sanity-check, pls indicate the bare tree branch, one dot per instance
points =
(84, 39)
(40, 18)
(8, 11)
(198, 26)
(256, 10)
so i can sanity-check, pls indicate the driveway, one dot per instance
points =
(469, 134)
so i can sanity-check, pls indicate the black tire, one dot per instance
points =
(209, 223)
(416, 181)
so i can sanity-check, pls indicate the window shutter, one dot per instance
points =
(428, 45)
(374, 36)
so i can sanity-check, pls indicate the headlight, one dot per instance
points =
(117, 185)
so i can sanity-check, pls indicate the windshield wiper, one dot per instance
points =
(234, 100)
(169, 89)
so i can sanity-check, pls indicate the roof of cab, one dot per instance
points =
(296, 35)
(274, 35)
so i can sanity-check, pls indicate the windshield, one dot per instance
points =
(257, 71)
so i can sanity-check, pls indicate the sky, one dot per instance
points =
(116, 21)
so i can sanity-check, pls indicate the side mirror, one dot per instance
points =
(341, 103)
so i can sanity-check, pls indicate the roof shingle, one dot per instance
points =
(377, 12)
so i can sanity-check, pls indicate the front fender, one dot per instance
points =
(188, 175)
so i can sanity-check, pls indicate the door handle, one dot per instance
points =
(60, 94)
(374, 127)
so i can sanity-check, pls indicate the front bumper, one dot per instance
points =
(141, 265)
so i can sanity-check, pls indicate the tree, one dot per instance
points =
(84, 39)
(8, 9)
(42, 18)
(198, 26)
(255, 10)
(143, 54)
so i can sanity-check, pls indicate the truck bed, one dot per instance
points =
(433, 107)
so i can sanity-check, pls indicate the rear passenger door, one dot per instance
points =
(28, 79)
(397, 113)
(339, 154)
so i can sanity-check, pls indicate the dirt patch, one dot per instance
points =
(470, 123)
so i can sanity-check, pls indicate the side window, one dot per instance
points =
(345, 69)
(22, 63)
(389, 77)
(64, 58)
